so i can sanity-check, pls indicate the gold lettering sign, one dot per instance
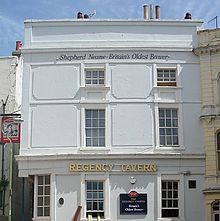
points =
(108, 167)
(90, 167)
(139, 168)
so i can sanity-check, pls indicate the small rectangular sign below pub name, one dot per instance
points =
(133, 203)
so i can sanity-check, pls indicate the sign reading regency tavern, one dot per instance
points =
(113, 56)
(111, 167)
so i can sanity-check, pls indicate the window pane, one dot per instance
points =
(89, 185)
(95, 142)
(40, 190)
(47, 211)
(88, 114)
(88, 123)
(88, 142)
(47, 180)
(175, 203)
(40, 211)
(89, 205)
(162, 140)
(94, 81)
(47, 190)
(94, 122)
(40, 201)
(101, 142)
(88, 81)
(170, 213)
(95, 132)
(101, 81)
(168, 113)
(47, 200)
(162, 123)
(100, 186)
(40, 180)
(101, 207)
(88, 73)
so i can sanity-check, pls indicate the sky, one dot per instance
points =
(14, 12)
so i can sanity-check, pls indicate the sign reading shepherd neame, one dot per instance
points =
(133, 203)
(113, 56)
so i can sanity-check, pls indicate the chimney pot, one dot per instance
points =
(79, 15)
(157, 9)
(18, 45)
(151, 11)
(188, 16)
(146, 12)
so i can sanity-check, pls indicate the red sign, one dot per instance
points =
(10, 130)
(133, 194)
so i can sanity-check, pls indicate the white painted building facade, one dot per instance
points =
(111, 107)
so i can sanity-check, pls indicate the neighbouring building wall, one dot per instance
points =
(209, 53)
(10, 105)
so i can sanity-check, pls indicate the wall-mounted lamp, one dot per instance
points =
(132, 180)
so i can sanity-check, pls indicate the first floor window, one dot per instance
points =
(95, 127)
(43, 195)
(168, 127)
(216, 211)
(95, 198)
(170, 198)
(218, 148)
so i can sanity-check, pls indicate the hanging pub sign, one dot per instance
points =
(133, 203)
(10, 130)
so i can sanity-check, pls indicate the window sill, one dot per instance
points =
(95, 219)
(170, 219)
(95, 87)
(165, 148)
(103, 149)
(42, 218)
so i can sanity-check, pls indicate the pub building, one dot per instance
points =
(111, 125)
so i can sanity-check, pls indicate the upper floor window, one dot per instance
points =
(170, 198)
(166, 77)
(218, 89)
(95, 199)
(168, 127)
(43, 195)
(216, 211)
(95, 77)
(95, 127)
(218, 148)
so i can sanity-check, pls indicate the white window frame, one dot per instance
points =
(98, 200)
(92, 70)
(172, 127)
(171, 177)
(180, 125)
(176, 67)
(100, 106)
(36, 216)
(94, 66)
(169, 82)
(106, 184)
(98, 128)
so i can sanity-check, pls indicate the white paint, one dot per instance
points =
(55, 98)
